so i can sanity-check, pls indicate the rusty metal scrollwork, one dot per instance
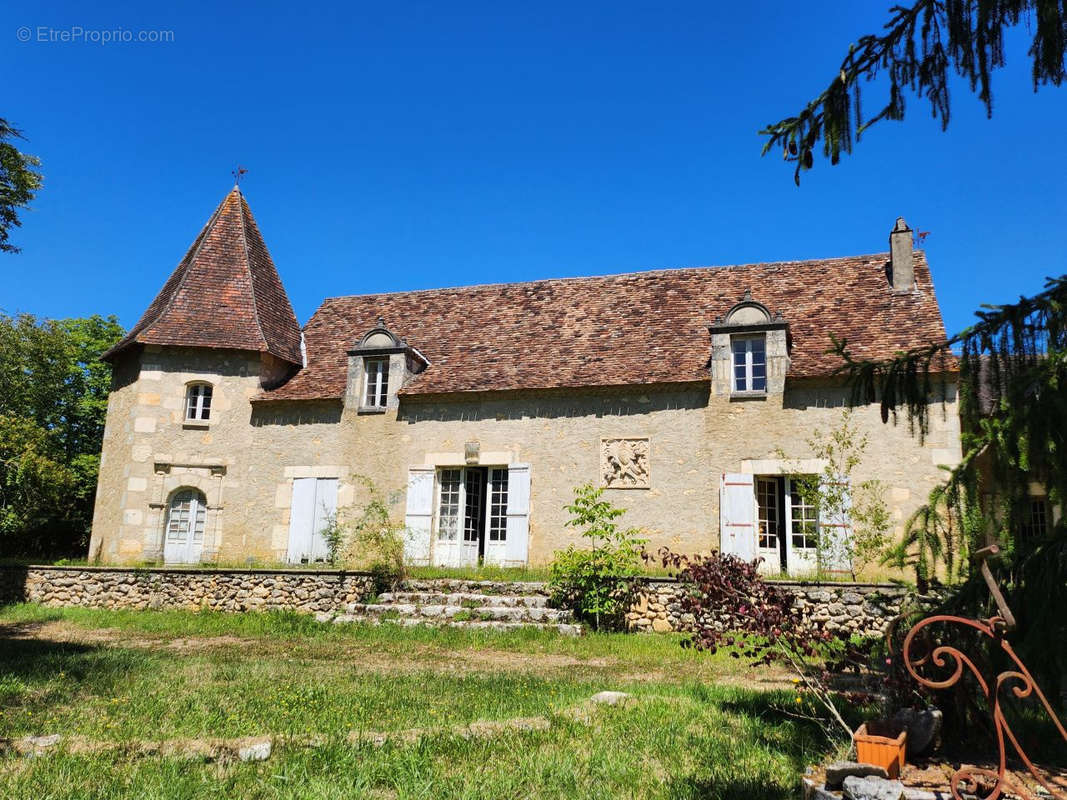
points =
(1017, 679)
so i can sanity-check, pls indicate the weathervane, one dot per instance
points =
(237, 173)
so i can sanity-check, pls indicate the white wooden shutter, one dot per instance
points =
(835, 531)
(517, 543)
(737, 515)
(418, 518)
(301, 520)
(325, 509)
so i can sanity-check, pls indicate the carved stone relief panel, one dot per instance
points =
(624, 463)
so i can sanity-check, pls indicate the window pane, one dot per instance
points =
(376, 382)
(198, 402)
(498, 498)
(448, 512)
(805, 520)
(383, 382)
(767, 499)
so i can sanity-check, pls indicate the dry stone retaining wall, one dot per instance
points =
(217, 590)
(862, 608)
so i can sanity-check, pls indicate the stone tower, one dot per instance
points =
(178, 420)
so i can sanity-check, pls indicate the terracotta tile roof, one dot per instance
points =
(637, 328)
(225, 293)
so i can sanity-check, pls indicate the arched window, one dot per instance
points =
(186, 519)
(198, 402)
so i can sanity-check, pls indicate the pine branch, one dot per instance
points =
(1011, 371)
(923, 45)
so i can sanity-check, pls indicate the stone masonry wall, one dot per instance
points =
(246, 459)
(862, 608)
(216, 590)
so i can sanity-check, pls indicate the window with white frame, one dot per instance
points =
(498, 505)
(375, 382)
(448, 518)
(804, 518)
(198, 402)
(769, 518)
(749, 363)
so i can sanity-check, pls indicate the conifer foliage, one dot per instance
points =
(921, 47)
(1012, 377)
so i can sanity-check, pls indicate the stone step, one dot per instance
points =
(464, 599)
(563, 628)
(481, 613)
(450, 585)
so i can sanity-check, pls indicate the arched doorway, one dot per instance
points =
(183, 540)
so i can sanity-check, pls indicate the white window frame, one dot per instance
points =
(198, 396)
(744, 345)
(805, 526)
(375, 382)
(767, 502)
(496, 515)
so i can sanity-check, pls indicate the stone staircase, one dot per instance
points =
(484, 605)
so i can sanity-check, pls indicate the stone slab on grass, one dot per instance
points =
(872, 788)
(839, 770)
(255, 751)
(610, 698)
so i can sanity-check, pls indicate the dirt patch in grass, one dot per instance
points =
(67, 632)
(417, 657)
(406, 657)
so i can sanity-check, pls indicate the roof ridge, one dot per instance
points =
(632, 273)
(248, 269)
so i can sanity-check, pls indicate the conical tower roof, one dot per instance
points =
(225, 293)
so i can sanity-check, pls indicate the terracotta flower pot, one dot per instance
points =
(881, 743)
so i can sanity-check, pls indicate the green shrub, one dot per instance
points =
(368, 538)
(597, 583)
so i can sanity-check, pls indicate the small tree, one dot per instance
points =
(598, 583)
(368, 537)
(839, 496)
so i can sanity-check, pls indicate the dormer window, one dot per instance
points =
(375, 382)
(749, 352)
(198, 402)
(750, 363)
(379, 353)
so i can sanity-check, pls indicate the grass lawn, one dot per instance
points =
(390, 709)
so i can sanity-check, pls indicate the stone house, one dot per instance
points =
(234, 435)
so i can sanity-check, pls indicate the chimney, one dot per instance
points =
(901, 263)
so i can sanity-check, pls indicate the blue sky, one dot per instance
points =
(409, 145)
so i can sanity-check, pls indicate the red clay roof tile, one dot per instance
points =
(636, 328)
(225, 293)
